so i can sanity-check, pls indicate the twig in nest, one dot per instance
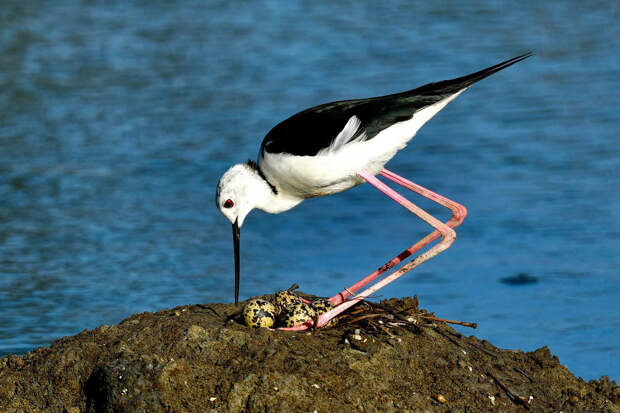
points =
(525, 374)
(356, 297)
(359, 308)
(293, 287)
(515, 398)
(443, 320)
(206, 307)
(386, 331)
(364, 317)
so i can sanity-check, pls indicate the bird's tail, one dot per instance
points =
(460, 83)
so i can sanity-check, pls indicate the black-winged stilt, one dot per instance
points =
(335, 146)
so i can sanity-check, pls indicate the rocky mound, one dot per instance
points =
(198, 358)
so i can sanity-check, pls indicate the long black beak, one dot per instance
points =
(236, 236)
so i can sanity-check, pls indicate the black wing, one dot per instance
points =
(313, 129)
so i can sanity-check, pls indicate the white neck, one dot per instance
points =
(269, 201)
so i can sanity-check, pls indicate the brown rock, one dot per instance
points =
(200, 358)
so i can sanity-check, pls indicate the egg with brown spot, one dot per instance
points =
(259, 313)
(321, 306)
(283, 300)
(296, 314)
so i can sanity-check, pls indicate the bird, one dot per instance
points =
(335, 146)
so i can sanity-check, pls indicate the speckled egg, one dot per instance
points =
(283, 300)
(259, 313)
(296, 314)
(322, 305)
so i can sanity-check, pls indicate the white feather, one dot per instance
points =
(345, 136)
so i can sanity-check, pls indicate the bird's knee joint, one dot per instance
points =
(448, 235)
(462, 212)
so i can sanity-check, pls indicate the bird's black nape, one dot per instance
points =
(252, 164)
(255, 166)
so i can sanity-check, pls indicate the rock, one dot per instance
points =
(201, 358)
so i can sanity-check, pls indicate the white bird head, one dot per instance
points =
(239, 191)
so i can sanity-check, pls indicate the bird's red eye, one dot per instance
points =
(229, 203)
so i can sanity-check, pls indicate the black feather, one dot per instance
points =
(313, 129)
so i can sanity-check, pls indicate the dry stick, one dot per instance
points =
(292, 287)
(511, 395)
(461, 323)
(363, 317)
(428, 317)
(356, 310)
(525, 374)
(208, 308)
(387, 331)
(384, 307)
(459, 336)
(406, 317)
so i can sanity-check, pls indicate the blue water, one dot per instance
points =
(118, 118)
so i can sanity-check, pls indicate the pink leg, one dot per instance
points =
(458, 215)
(444, 230)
